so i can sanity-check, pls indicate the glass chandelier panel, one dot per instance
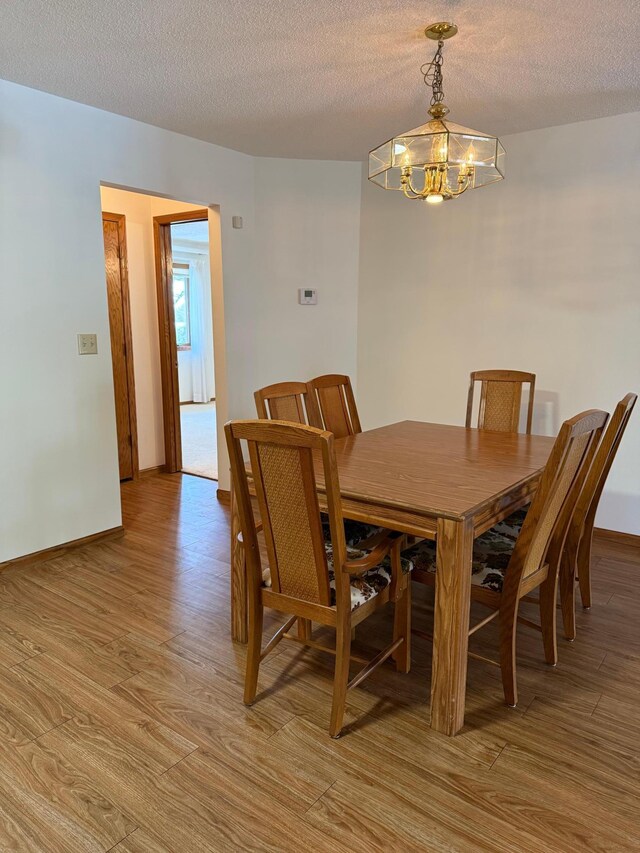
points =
(439, 160)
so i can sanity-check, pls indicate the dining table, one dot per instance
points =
(432, 481)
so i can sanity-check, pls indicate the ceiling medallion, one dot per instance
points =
(438, 160)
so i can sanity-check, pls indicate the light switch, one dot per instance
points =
(87, 344)
(236, 221)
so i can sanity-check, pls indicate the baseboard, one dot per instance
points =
(224, 495)
(60, 550)
(151, 472)
(616, 536)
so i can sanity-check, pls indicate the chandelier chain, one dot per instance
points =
(432, 73)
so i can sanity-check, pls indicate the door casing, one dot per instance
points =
(167, 333)
(120, 222)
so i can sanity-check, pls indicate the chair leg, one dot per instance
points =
(584, 568)
(548, 595)
(402, 628)
(341, 676)
(507, 621)
(304, 628)
(568, 595)
(254, 647)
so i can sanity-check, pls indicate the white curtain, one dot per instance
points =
(201, 355)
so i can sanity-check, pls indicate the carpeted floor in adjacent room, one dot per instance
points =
(199, 448)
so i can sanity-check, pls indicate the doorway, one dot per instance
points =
(186, 342)
(115, 256)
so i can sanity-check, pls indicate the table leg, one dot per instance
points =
(238, 578)
(451, 626)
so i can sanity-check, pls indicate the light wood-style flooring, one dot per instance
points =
(122, 726)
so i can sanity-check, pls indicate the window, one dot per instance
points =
(181, 305)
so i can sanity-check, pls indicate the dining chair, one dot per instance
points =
(288, 401)
(297, 402)
(500, 399)
(506, 569)
(334, 396)
(575, 561)
(576, 557)
(308, 578)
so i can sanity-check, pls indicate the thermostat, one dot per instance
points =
(307, 297)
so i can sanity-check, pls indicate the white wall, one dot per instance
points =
(59, 469)
(540, 272)
(307, 235)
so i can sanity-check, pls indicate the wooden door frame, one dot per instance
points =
(120, 220)
(167, 333)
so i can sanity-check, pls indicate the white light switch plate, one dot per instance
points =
(87, 344)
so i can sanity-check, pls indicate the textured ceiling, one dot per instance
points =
(194, 232)
(325, 78)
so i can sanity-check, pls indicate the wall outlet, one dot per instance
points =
(307, 297)
(87, 344)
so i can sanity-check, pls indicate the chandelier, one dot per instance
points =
(438, 160)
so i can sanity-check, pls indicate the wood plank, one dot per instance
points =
(47, 777)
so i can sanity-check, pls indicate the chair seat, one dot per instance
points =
(363, 587)
(512, 524)
(354, 531)
(491, 554)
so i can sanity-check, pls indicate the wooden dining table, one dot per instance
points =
(433, 481)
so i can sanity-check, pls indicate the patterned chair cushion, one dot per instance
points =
(512, 524)
(354, 531)
(491, 554)
(363, 587)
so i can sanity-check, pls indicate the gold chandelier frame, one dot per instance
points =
(439, 160)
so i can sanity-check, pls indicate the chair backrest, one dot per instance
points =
(288, 401)
(546, 523)
(282, 458)
(500, 399)
(589, 498)
(337, 405)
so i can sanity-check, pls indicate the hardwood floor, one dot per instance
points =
(122, 726)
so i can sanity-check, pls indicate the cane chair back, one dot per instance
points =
(500, 399)
(282, 468)
(288, 401)
(545, 526)
(337, 405)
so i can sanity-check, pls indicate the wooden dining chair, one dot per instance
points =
(297, 402)
(576, 557)
(575, 561)
(506, 569)
(288, 401)
(308, 578)
(336, 403)
(500, 399)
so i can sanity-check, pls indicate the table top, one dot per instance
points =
(436, 469)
